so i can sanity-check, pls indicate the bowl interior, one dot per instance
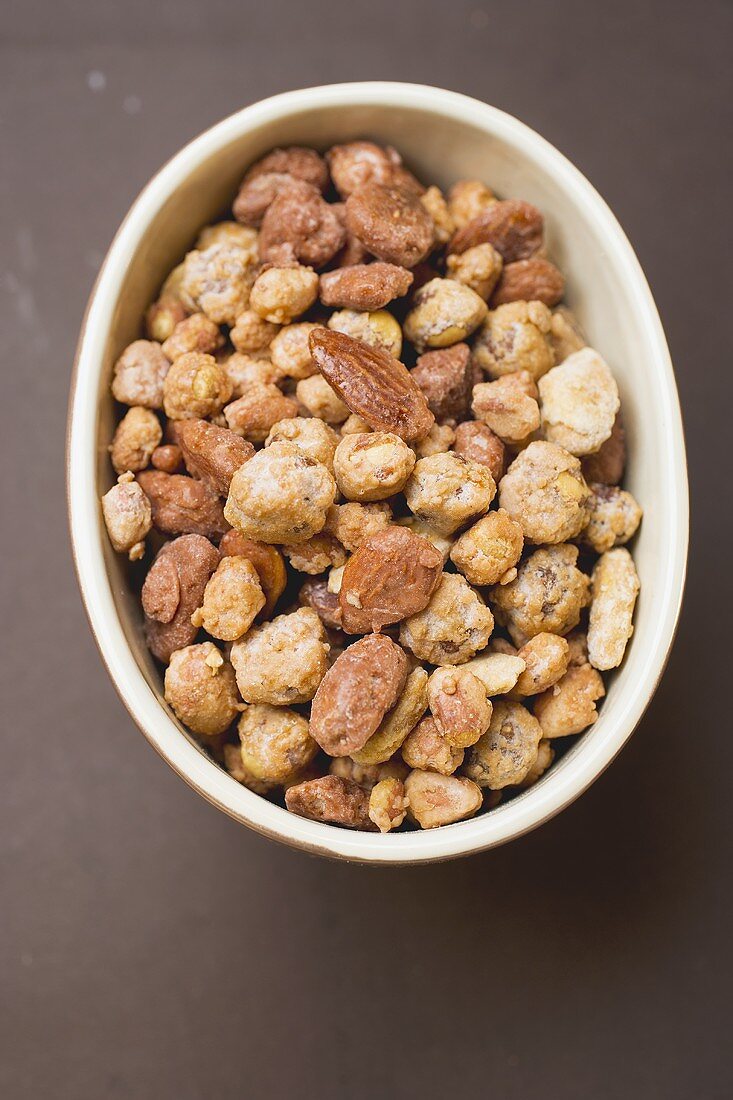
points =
(441, 141)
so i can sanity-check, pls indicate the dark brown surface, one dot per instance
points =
(150, 947)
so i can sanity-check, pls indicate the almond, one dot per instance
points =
(364, 286)
(392, 575)
(331, 799)
(515, 229)
(212, 453)
(532, 280)
(391, 223)
(372, 383)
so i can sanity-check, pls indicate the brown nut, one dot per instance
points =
(546, 658)
(331, 799)
(299, 225)
(212, 453)
(195, 333)
(440, 799)
(569, 707)
(373, 384)
(514, 228)
(388, 804)
(267, 560)
(173, 590)
(477, 443)
(254, 414)
(607, 464)
(372, 466)
(256, 195)
(614, 590)
(127, 516)
(168, 458)
(392, 575)
(200, 687)
(533, 280)
(135, 439)
(391, 222)
(315, 593)
(508, 406)
(508, 749)
(446, 377)
(398, 722)
(426, 749)
(454, 626)
(232, 599)
(355, 694)
(139, 374)
(487, 552)
(364, 286)
(195, 387)
(459, 705)
(297, 161)
(275, 744)
(360, 162)
(281, 662)
(181, 505)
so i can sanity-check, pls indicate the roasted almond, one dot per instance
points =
(331, 799)
(391, 223)
(372, 383)
(364, 286)
(212, 453)
(532, 280)
(515, 228)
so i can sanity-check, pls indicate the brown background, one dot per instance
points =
(152, 948)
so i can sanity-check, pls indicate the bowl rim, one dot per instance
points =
(534, 806)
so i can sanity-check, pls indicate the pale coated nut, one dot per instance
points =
(569, 707)
(252, 333)
(233, 598)
(128, 516)
(448, 492)
(545, 757)
(467, 199)
(218, 281)
(459, 705)
(508, 749)
(299, 225)
(171, 288)
(226, 233)
(283, 661)
(531, 280)
(446, 377)
(440, 799)
(508, 406)
(609, 461)
(162, 317)
(212, 453)
(391, 223)
(366, 775)
(477, 443)
(275, 743)
(372, 466)
(235, 767)
(136, 437)
(267, 560)
(316, 555)
(321, 400)
(613, 517)
(355, 694)
(352, 523)
(181, 505)
(313, 436)
(515, 228)
(195, 333)
(281, 495)
(478, 267)
(280, 294)
(437, 208)
(244, 371)
(515, 337)
(195, 388)
(139, 374)
(291, 353)
(364, 286)
(359, 162)
(566, 335)
(173, 589)
(444, 312)
(426, 749)
(546, 658)
(454, 626)
(388, 804)
(168, 458)
(378, 328)
(331, 799)
(498, 672)
(255, 413)
(488, 552)
(439, 439)
(397, 723)
(200, 688)
(353, 425)
(545, 491)
(615, 587)
(547, 596)
(579, 401)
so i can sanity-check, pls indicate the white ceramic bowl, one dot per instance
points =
(443, 136)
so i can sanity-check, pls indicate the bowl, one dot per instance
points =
(443, 136)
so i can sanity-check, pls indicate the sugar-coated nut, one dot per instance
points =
(299, 226)
(391, 576)
(195, 387)
(613, 517)
(211, 453)
(364, 286)
(545, 757)
(173, 590)
(267, 560)
(378, 328)
(195, 333)
(218, 281)
(281, 495)
(297, 161)
(547, 595)
(478, 267)
(459, 705)
(426, 749)
(315, 593)
(489, 550)
(313, 436)
(532, 280)
(614, 590)
(397, 723)
(438, 209)
(363, 684)
(171, 288)
(442, 543)
(388, 804)
(331, 799)
(446, 378)
(545, 491)
(283, 661)
(477, 443)
(244, 370)
(508, 749)
(508, 406)
(439, 439)
(252, 333)
(579, 401)
(352, 523)
(254, 414)
(569, 707)
(181, 505)
(235, 767)
(609, 461)
(257, 194)
(162, 317)
(440, 799)
(391, 223)
(566, 335)
(128, 516)
(454, 626)
(577, 648)
(467, 199)
(515, 228)
(498, 672)
(168, 458)
(233, 598)
(291, 353)
(546, 658)
(275, 743)
(280, 294)
(136, 437)
(366, 775)
(200, 688)
(502, 645)
(448, 492)
(359, 162)
(372, 466)
(316, 555)
(226, 233)
(515, 337)
(353, 425)
(321, 400)
(444, 312)
(139, 374)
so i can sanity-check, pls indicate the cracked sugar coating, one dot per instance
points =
(139, 374)
(378, 328)
(448, 492)
(232, 599)
(579, 401)
(372, 466)
(200, 687)
(545, 491)
(459, 705)
(218, 281)
(275, 744)
(444, 312)
(613, 517)
(547, 595)
(388, 804)
(478, 267)
(508, 749)
(546, 658)
(282, 662)
(280, 294)
(352, 523)
(312, 435)
(614, 592)
(515, 337)
(454, 626)
(195, 388)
